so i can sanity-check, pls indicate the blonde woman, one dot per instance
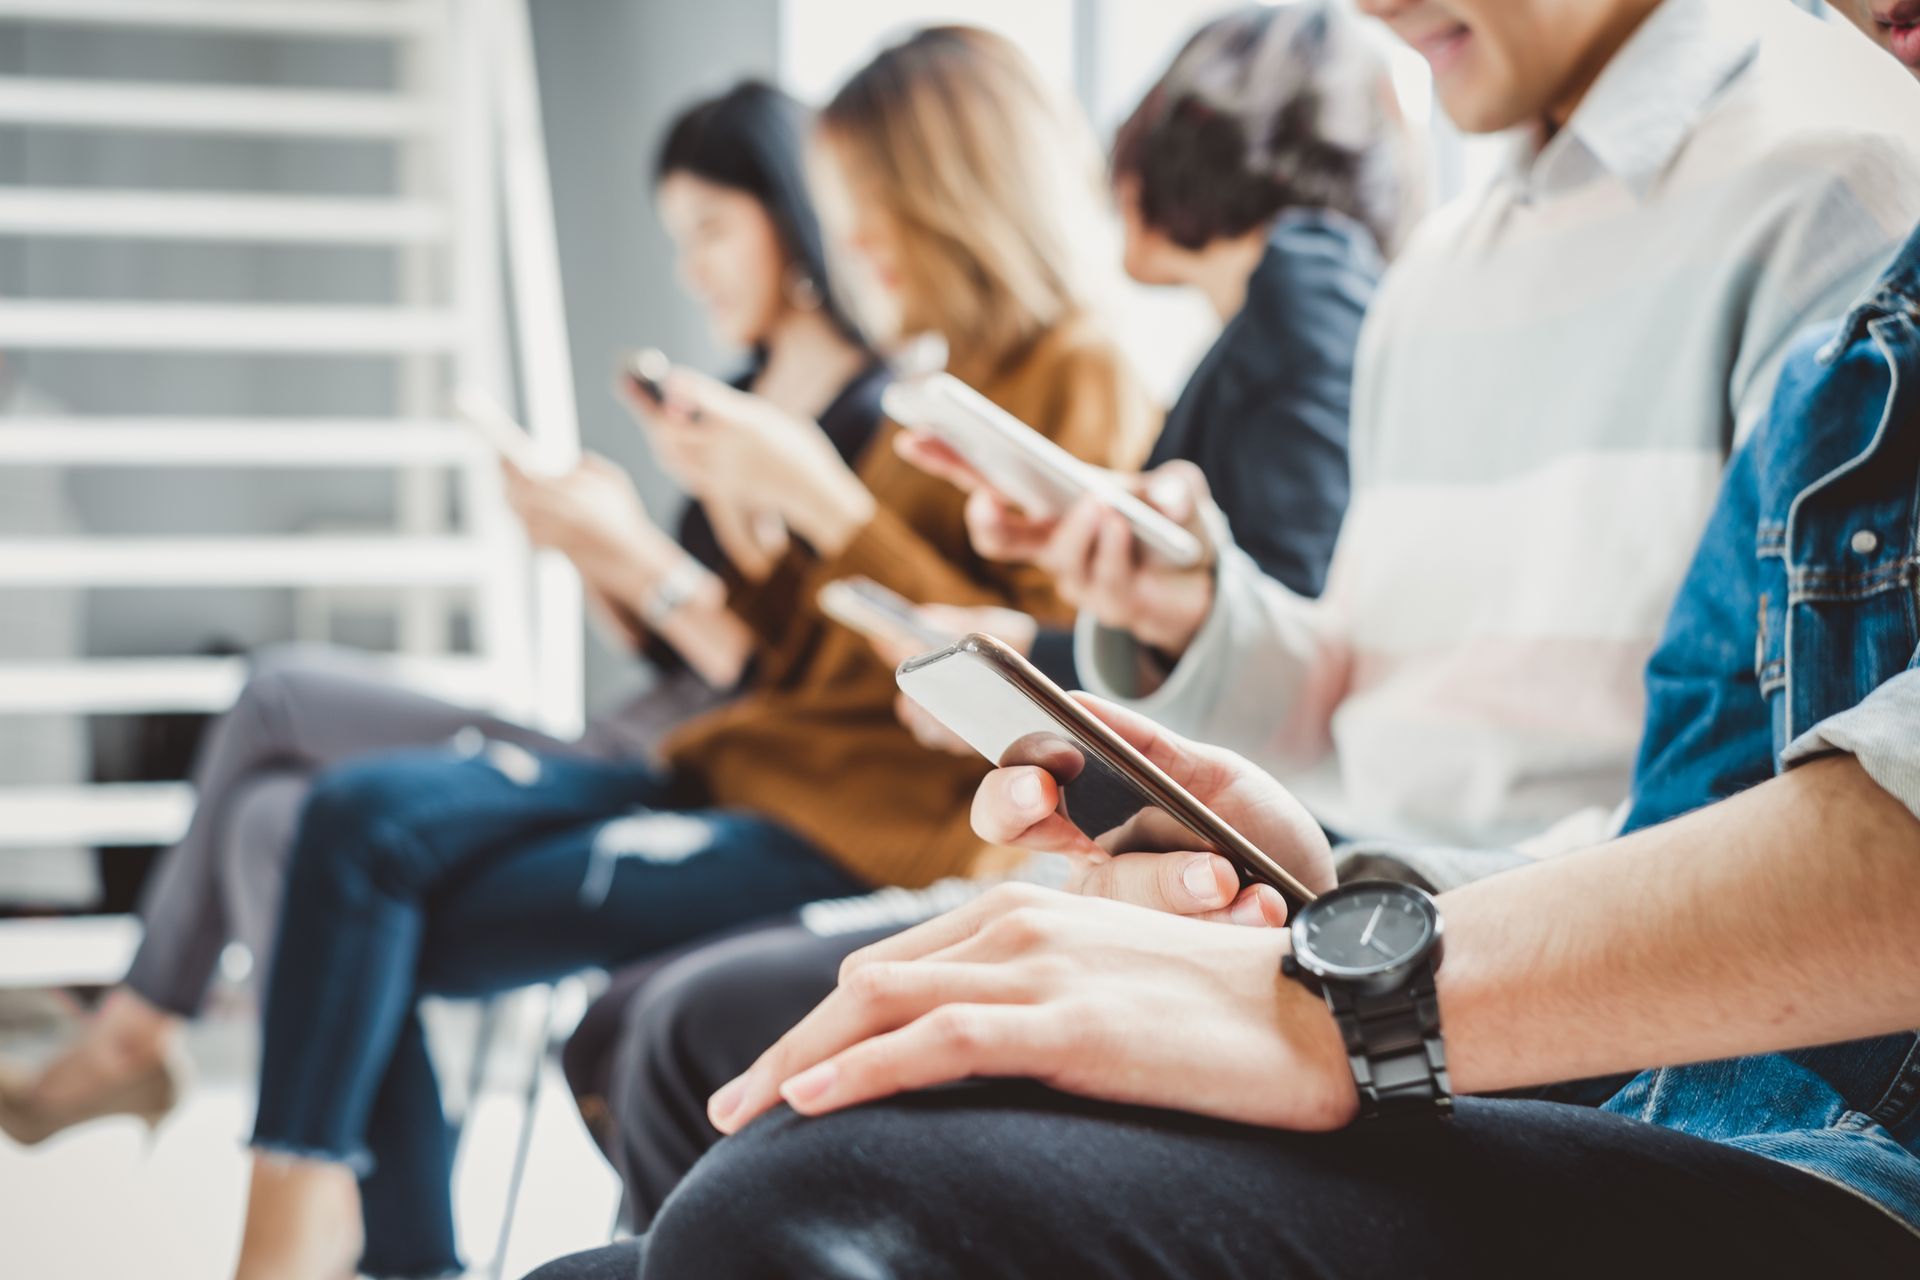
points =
(965, 194)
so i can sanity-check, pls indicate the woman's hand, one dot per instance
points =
(1093, 998)
(1019, 806)
(726, 446)
(1090, 551)
(592, 514)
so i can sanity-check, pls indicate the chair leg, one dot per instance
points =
(534, 1076)
(477, 1070)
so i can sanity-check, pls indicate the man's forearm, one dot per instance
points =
(1787, 916)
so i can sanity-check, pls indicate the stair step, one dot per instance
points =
(165, 215)
(119, 813)
(262, 442)
(362, 561)
(72, 952)
(127, 686)
(221, 109)
(156, 326)
(370, 18)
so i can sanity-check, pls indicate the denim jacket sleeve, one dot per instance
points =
(1802, 599)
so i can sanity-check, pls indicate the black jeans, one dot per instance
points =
(1013, 1180)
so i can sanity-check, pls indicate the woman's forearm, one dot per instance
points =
(1781, 918)
(707, 635)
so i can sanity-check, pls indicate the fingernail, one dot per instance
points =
(1199, 878)
(1249, 912)
(1026, 792)
(727, 1100)
(809, 1084)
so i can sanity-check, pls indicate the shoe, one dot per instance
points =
(149, 1096)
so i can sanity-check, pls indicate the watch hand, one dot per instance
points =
(1372, 922)
(1383, 950)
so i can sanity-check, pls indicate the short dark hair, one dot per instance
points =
(1266, 109)
(752, 138)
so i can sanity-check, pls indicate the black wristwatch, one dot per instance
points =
(1371, 949)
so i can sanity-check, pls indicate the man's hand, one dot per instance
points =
(1018, 806)
(1094, 998)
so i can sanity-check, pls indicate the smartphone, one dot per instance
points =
(496, 426)
(997, 701)
(1035, 473)
(871, 609)
(647, 369)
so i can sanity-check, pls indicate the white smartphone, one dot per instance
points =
(1035, 473)
(874, 611)
(496, 426)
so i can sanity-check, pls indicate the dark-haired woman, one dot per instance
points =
(422, 872)
(732, 194)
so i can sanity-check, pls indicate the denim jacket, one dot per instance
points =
(1801, 601)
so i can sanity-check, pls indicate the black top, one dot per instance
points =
(1265, 414)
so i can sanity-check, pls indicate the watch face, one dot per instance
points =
(1365, 929)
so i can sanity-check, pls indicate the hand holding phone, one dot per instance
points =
(1030, 470)
(647, 369)
(1109, 790)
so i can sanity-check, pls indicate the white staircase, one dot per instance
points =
(463, 120)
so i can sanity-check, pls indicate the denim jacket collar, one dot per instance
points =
(1647, 102)
(1897, 293)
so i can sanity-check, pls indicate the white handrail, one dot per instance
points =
(552, 415)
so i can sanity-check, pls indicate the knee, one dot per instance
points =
(355, 823)
(815, 1216)
(703, 1019)
(278, 682)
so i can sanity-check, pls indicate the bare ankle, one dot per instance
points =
(303, 1221)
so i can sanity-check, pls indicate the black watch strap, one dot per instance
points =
(1393, 1045)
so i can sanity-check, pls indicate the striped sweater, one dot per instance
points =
(1547, 390)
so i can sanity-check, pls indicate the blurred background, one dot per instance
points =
(246, 249)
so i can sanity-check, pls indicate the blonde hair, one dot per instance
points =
(993, 182)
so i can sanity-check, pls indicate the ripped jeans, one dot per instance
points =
(467, 871)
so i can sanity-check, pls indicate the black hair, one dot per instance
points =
(752, 138)
(1267, 109)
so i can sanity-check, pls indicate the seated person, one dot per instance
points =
(432, 872)
(1285, 242)
(1714, 729)
(1661, 948)
(697, 1043)
(1096, 1143)
(731, 191)
(1527, 367)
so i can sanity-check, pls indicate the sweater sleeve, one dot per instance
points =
(1262, 676)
